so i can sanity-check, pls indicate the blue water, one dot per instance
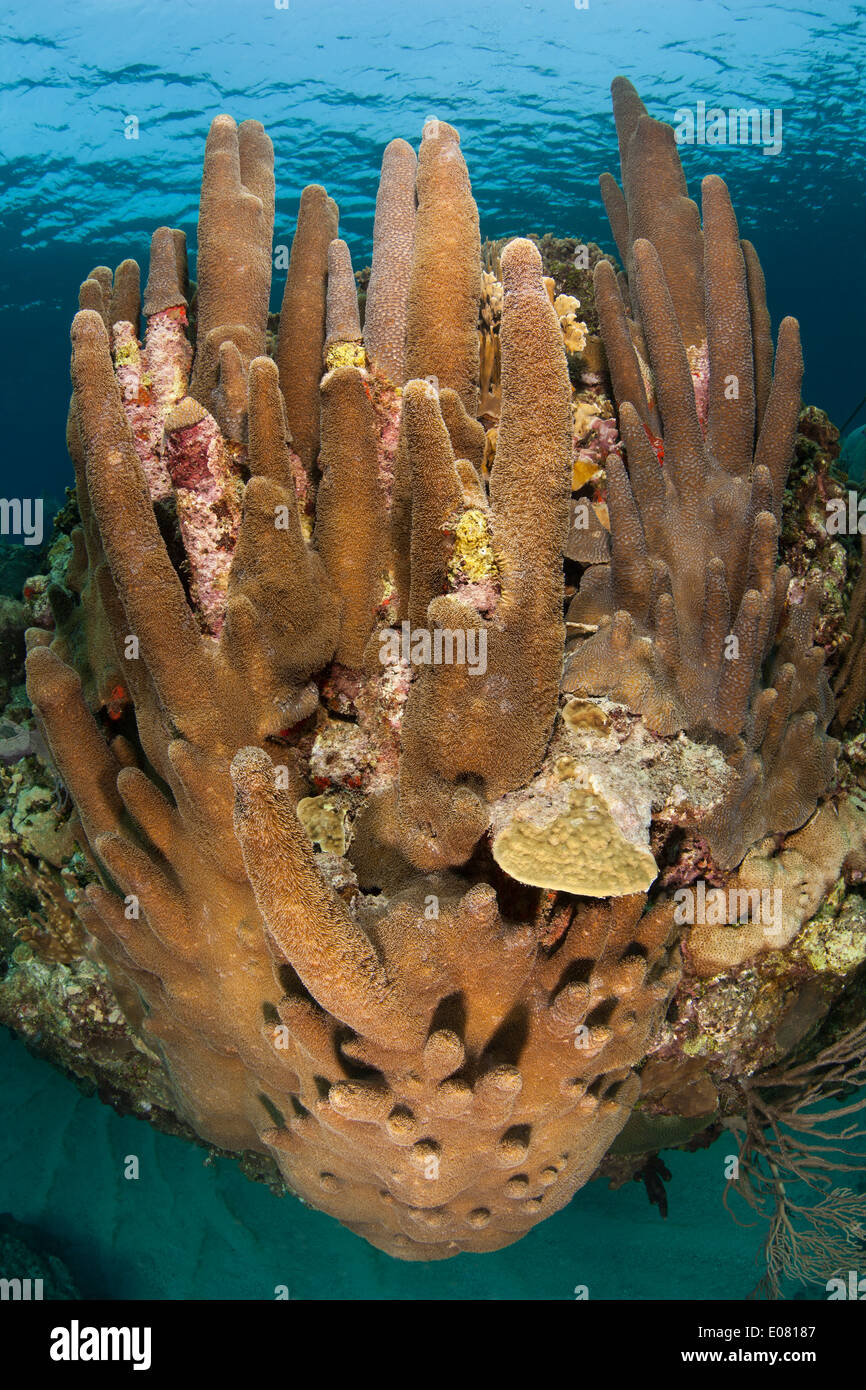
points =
(527, 85)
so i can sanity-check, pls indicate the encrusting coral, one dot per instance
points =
(376, 896)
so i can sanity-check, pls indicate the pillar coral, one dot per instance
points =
(695, 629)
(385, 323)
(433, 1052)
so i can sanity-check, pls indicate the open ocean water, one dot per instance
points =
(527, 84)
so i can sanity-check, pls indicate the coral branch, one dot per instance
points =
(386, 318)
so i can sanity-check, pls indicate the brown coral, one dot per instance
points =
(693, 627)
(301, 338)
(429, 1066)
(445, 288)
(467, 734)
(331, 628)
(236, 222)
(385, 321)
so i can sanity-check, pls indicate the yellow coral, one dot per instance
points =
(573, 330)
(581, 851)
(491, 297)
(585, 714)
(565, 304)
(349, 354)
(179, 388)
(473, 556)
(324, 821)
(583, 416)
(127, 354)
(583, 471)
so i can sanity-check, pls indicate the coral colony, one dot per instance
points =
(390, 809)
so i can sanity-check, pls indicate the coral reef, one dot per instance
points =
(390, 691)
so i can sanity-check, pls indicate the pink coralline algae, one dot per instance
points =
(140, 410)
(362, 756)
(388, 404)
(601, 440)
(303, 492)
(153, 379)
(208, 495)
(699, 366)
(168, 353)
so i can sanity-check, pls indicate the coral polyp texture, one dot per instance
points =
(401, 675)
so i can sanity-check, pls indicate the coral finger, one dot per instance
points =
(309, 923)
(301, 339)
(393, 249)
